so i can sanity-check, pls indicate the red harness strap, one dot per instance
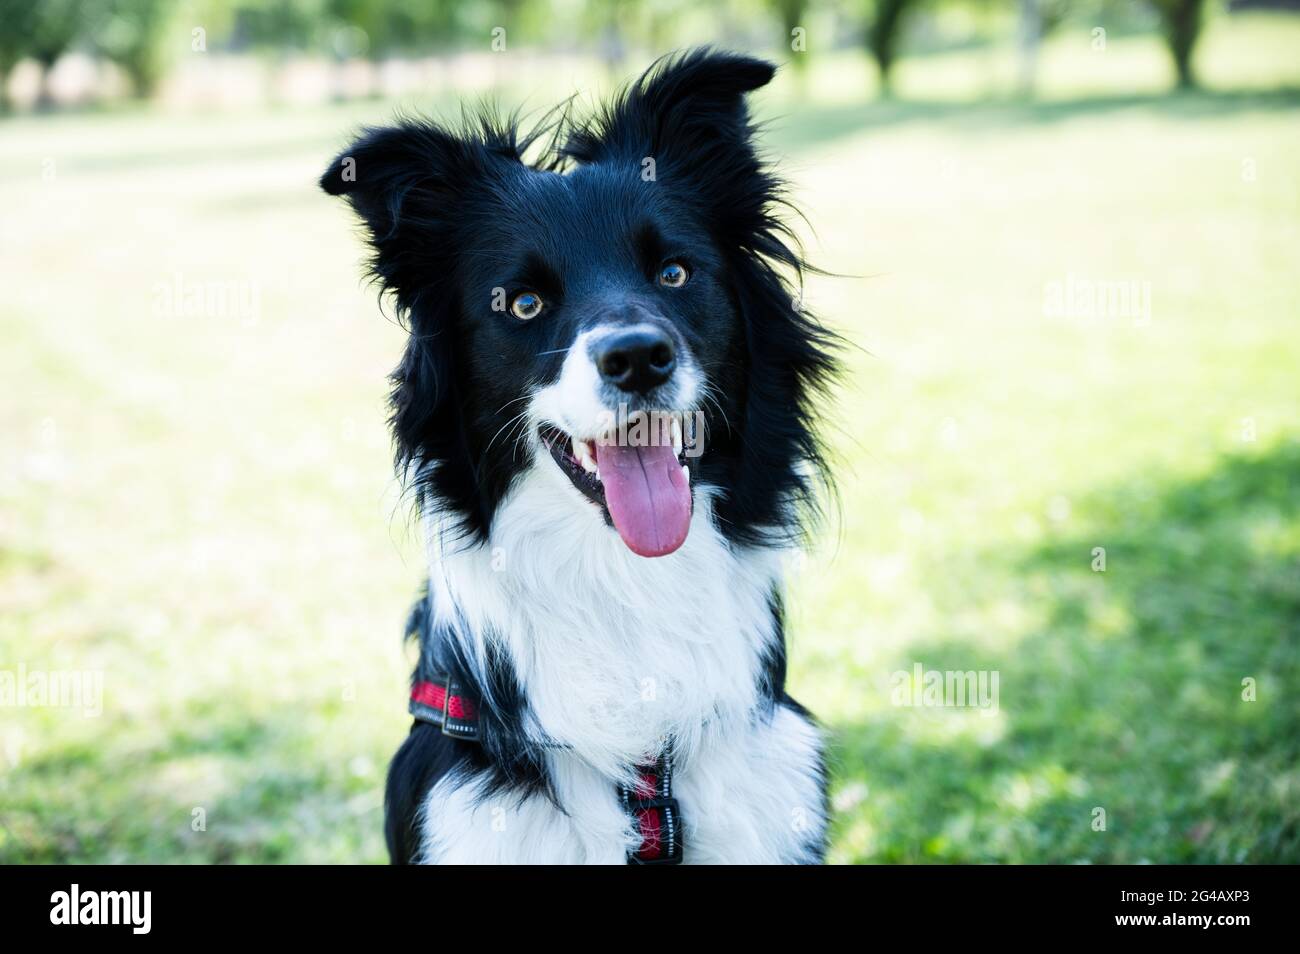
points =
(653, 808)
(442, 702)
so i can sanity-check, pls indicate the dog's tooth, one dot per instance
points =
(686, 472)
(584, 454)
(581, 451)
(677, 436)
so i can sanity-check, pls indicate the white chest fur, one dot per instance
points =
(616, 653)
(749, 797)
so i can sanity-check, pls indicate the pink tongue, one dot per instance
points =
(648, 496)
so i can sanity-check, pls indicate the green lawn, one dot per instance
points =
(200, 505)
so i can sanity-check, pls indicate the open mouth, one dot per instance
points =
(640, 479)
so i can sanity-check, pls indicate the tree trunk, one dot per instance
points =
(1182, 21)
(1031, 34)
(44, 95)
(792, 17)
(882, 38)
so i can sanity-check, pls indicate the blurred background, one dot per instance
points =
(1064, 240)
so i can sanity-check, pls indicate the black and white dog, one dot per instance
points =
(606, 411)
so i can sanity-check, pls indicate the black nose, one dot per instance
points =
(636, 359)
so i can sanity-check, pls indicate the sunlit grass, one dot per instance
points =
(201, 506)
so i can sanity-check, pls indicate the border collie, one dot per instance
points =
(605, 414)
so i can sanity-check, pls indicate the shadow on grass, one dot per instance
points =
(813, 126)
(1129, 698)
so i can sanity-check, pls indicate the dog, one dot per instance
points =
(605, 414)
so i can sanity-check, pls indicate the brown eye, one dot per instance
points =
(526, 305)
(673, 275)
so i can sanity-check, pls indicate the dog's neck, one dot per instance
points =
(613, 652)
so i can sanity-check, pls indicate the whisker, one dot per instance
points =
(509, 423)
(707, 393)
(518, 441)
(523, 397)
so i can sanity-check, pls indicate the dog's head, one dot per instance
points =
(613, 310)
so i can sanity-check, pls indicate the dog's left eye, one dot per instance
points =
(526, 305)
(674, 275)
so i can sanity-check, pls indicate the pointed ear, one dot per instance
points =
(405, 182)
(684, 107)
(685, 125)
(385, 164)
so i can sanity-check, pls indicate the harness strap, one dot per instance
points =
(441, 701)
(658, 819)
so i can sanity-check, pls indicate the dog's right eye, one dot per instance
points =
(526, 305)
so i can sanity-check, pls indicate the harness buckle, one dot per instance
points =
(451, 726)
(668, 839)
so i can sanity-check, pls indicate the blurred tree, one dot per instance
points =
(42, 30)
(17, 16)
(369, 18)
(1180, 22)
(792, 14)
(281, 24)
(610, 20)
(130, 32)
(1038, 18)
(374, 28)
(883, 35)
(1030, 36)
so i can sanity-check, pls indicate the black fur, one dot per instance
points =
(504, 763)
(452, 214)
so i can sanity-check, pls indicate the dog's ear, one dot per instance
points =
(406, 183)
(686, 114)
(385, 165)
(684, 125)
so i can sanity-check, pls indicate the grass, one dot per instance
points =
(200, 505)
